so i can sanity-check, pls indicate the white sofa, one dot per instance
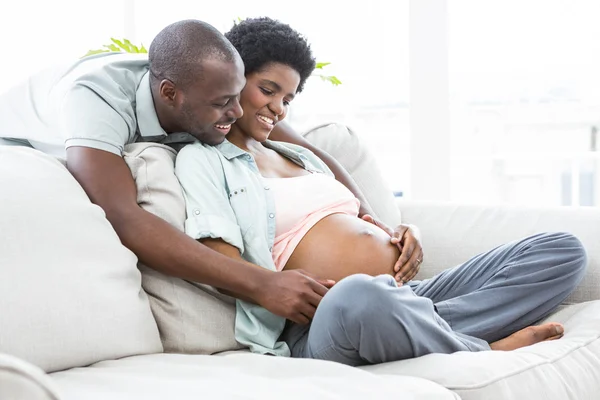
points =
(75, 323)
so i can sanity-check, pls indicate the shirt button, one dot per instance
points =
(270, 249)
(267, 188)
(271, 215)
(197, 212)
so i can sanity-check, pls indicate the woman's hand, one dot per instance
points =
(408, 239)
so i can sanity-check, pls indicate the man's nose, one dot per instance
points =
(235, 112)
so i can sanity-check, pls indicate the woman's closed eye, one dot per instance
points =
(267, 91)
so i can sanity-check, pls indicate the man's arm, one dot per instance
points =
(283, 132)
(108, 182)
(228, 250)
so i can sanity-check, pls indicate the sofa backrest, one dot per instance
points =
(346, 146)
(69, 290)
(453, 233)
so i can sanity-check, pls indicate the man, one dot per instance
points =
(187, 88)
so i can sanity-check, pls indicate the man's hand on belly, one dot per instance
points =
(293, 294)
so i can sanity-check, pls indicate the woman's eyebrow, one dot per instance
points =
(277, 87)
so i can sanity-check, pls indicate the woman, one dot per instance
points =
(277, 206)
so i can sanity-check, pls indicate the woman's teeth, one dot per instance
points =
(267, 120)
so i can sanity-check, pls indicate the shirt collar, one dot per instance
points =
(229, 150)
(292, 155)
(147, 120)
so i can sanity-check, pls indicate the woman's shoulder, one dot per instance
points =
(291, 150)
(297, 151)
(278, 145)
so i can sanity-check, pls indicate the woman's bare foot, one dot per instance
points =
(528, 336)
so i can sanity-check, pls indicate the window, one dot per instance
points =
(525, 101)
(519, 78)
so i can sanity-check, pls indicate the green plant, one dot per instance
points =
(126, 46)
(329, 78)
(118, 46)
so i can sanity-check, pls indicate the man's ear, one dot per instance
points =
(167, 92)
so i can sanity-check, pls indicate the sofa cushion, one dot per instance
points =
(568, 368)
(71, 292)
(235, 376)
(345, 146)
(191, 317)
(22, 381)
(453, 233)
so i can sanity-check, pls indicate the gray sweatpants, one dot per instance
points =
(369, 320)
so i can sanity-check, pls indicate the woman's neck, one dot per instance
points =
(245, 142)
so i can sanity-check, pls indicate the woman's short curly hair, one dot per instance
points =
(261, 41)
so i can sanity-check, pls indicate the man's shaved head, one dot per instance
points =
(179, 50)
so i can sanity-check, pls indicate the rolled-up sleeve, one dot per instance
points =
(209, 213)
(88, 120)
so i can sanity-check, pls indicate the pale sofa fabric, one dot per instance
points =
(452, 233)
(565, 369)
(568, 368)
(70, 293)
(192, 318)
(236, 376)
(22, 381)
(346, 147)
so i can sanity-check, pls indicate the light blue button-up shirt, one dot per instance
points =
(227, 198)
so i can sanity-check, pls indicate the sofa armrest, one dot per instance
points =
(20, 380)
(453, 233)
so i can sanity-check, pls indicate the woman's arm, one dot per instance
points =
(283, 132)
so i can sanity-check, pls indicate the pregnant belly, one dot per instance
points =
(340, 245)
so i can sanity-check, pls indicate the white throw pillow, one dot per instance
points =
(70, 292)
(192, 318)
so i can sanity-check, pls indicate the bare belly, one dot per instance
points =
(340, 245)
